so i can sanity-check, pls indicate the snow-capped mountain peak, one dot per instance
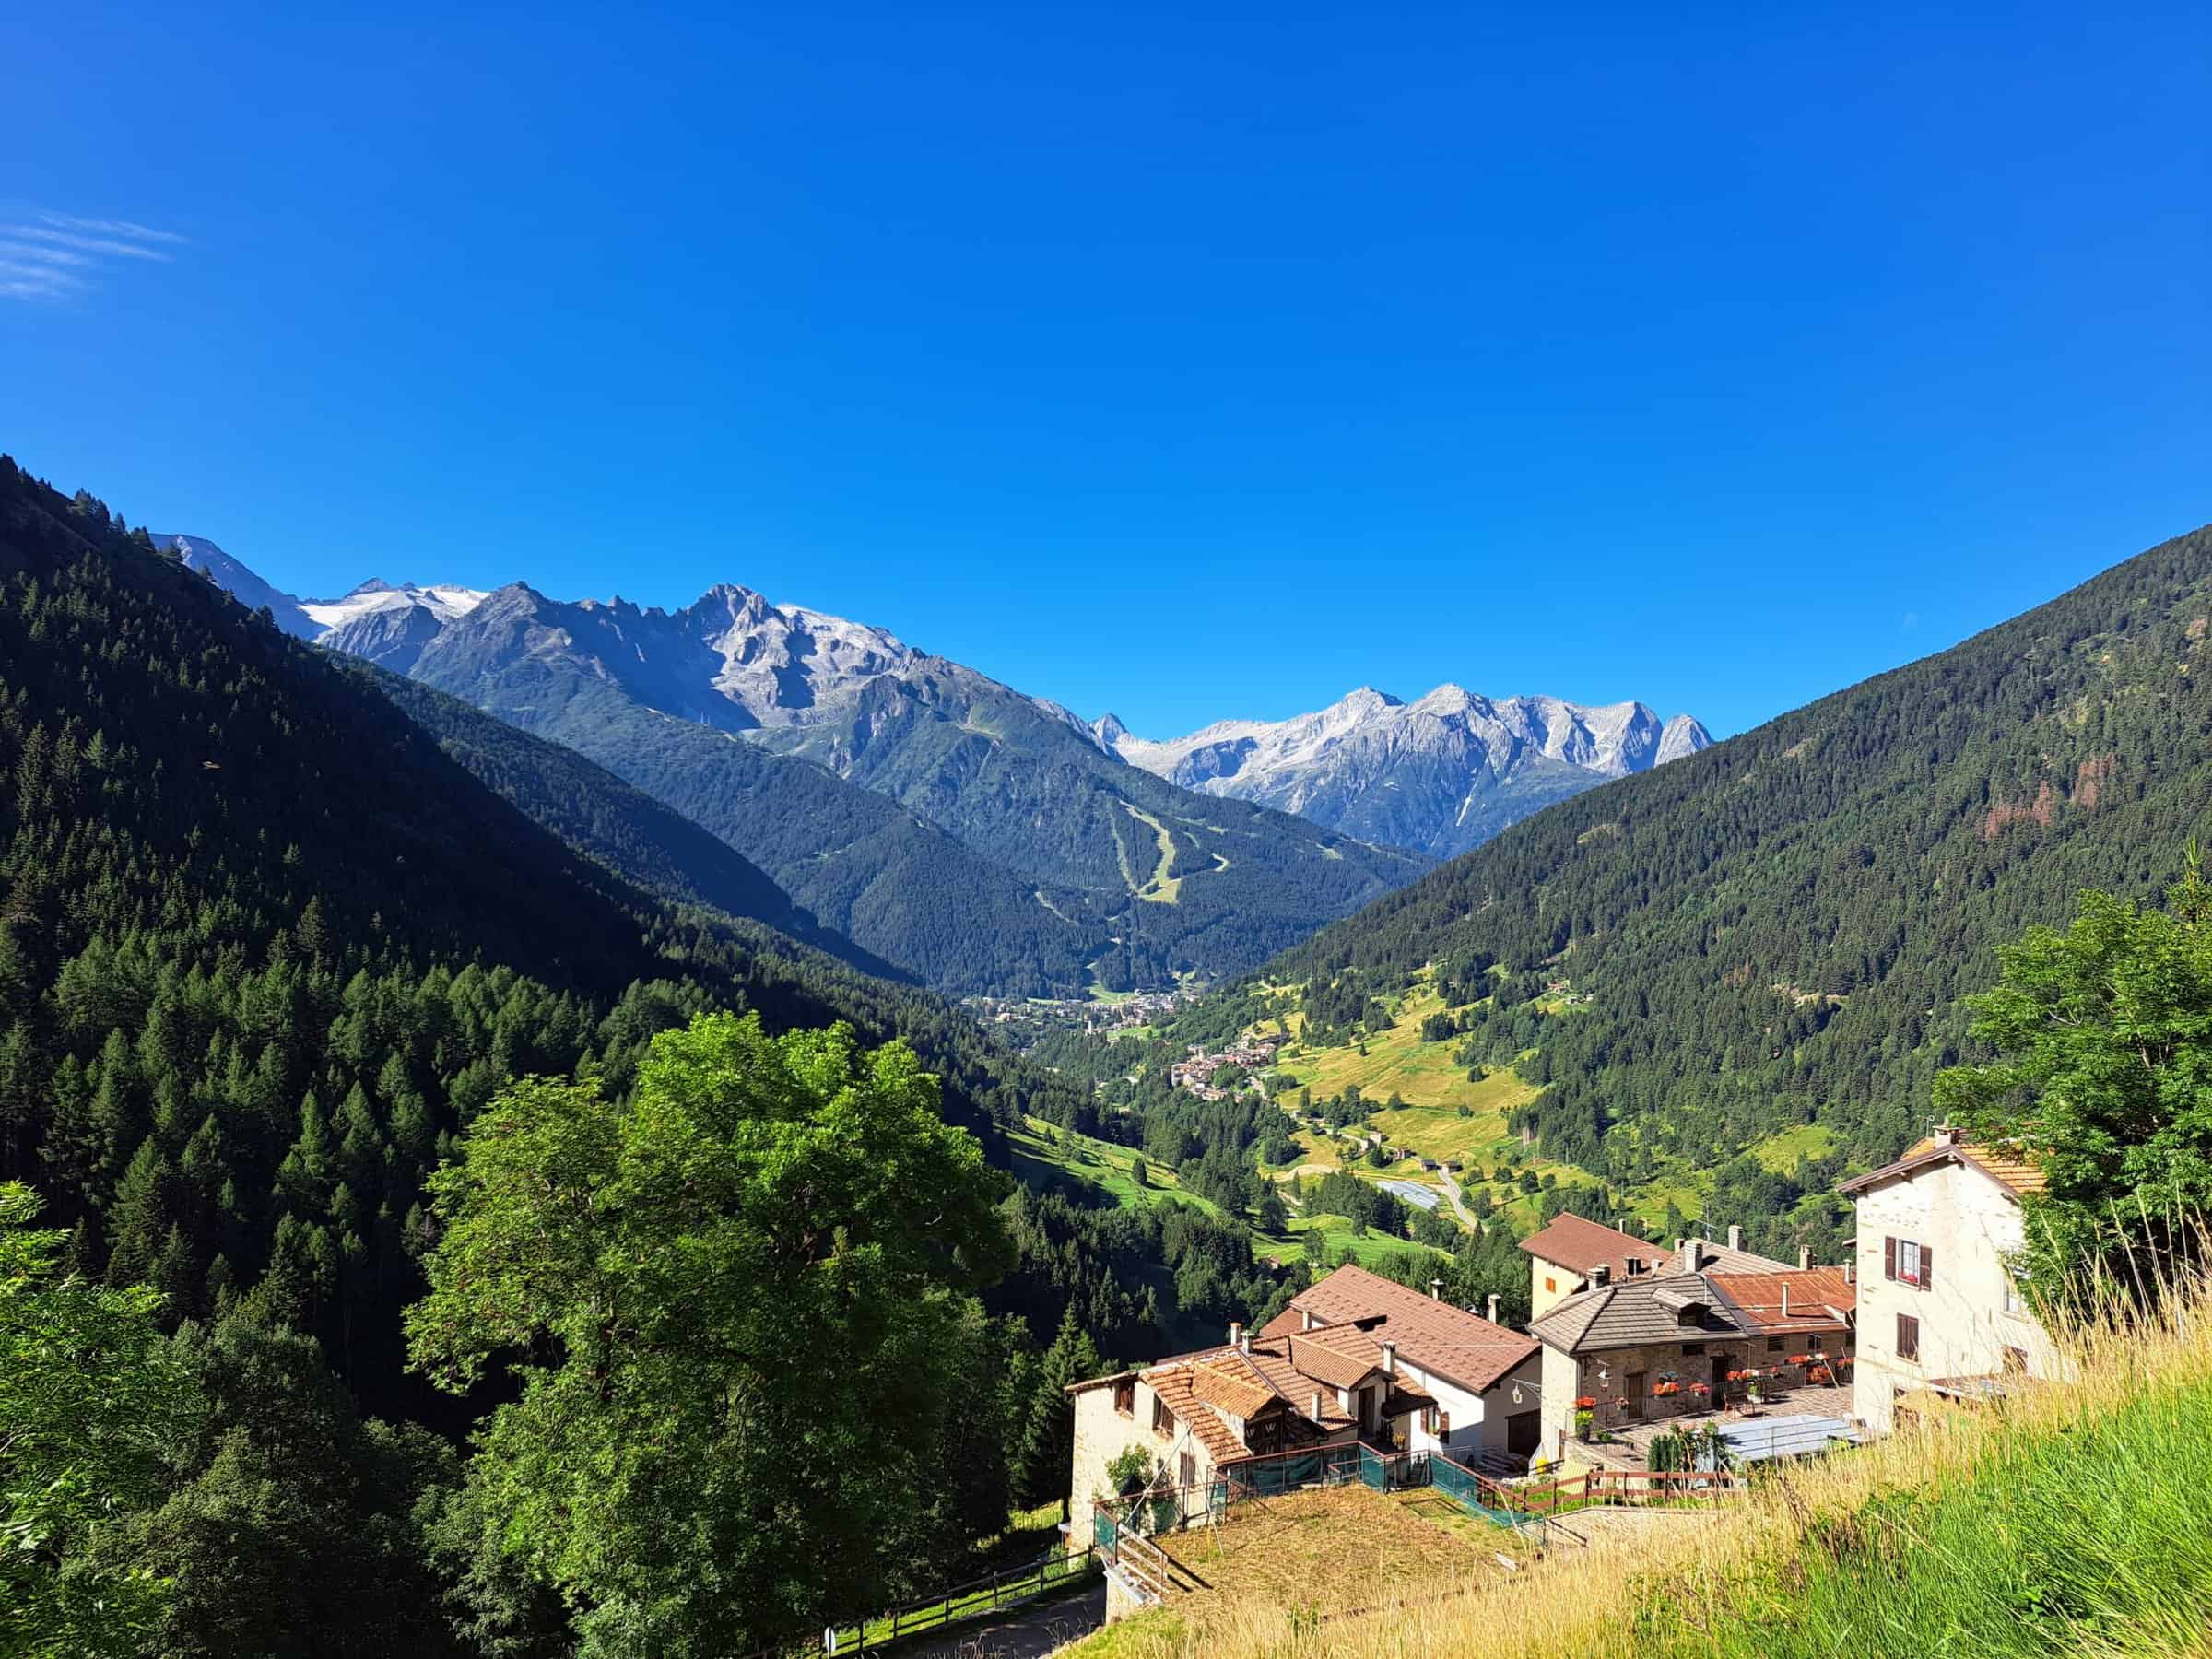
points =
(1440, 773)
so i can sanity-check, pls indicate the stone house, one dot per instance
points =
(1663, 1343)
(1941, 1303)
(1356, 1359)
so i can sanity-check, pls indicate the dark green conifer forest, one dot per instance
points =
(269, 948)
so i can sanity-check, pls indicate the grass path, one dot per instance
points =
(1162, 889)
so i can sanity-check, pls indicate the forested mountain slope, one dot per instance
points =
(1775, 931)
(266, 945)
(982, 839)
(594, 812)
(1150, 879)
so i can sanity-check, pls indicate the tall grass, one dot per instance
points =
(2075, 1519)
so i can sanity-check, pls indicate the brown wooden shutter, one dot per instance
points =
(1927, 1268)
(1889, 1258)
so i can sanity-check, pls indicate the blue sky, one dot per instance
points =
(1186, 361)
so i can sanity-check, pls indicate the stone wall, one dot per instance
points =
(1633, 1373)
(1102, 1434)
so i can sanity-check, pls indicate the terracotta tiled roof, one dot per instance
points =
(1581, 1246)
(1460, 1347)
(1341, 1356)
(1241, 1396)
(1406, 1396)
(2009, 1166)
(1172, 1384)
(1719, 1305)
(2007, 1163)
(1821, 1299)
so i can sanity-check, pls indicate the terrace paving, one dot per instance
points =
(1630, 1447)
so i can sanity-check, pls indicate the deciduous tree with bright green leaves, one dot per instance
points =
(91, 1397)
(2105, 1078)
(736, 1308)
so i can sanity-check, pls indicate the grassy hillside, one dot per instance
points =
(1699, 964)
(2073, 1522)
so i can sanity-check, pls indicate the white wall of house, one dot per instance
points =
(1472, 1423)
(1103, 1433)
(1970, 1314)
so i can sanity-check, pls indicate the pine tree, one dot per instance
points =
(1044, 1457)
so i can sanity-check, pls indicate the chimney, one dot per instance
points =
(1946, 1135)
(1804, 1257)
(1390, 1358)
(1236, 1335)
(1693, 1254)
(1315, 1413)
(1851, 1271)
(1785, 1299)
(1245, 1343)
(1602, 1274)
(1736, 1238)
(1493, 1307)
(1436, 1289)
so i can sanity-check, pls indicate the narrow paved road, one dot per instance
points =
(1451, 1192)
(1024, 1633)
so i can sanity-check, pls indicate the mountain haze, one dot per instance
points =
(1440, 775)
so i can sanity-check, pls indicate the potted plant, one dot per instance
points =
(1585, 1417)
(1701, 1391)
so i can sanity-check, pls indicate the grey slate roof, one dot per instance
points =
(1642, 1311)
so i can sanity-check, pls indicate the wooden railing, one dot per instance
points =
(962, 1601)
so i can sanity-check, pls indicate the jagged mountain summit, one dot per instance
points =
(386, 623)
(943, 820)
(1441, 774)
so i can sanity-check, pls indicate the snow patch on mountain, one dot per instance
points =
(1439, 773)
(442, 600)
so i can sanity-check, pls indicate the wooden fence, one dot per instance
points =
(973, 1600)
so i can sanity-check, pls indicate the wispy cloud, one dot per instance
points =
(1909, 621)
(55, 255)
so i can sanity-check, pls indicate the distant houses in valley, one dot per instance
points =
(1195, 1074)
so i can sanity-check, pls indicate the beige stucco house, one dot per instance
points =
(1941, 1304)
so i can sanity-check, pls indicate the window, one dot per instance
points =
(1186, 1471)
(1428, 1419)
(1125, 1396)
(2015, 1300)
(1775, 1345)
(1163, 1421)
(1551, 1284)
(1690, 1351)
(1908, 1262)
(1908, 1336)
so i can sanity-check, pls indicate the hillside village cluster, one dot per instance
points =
(1629, 1343)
